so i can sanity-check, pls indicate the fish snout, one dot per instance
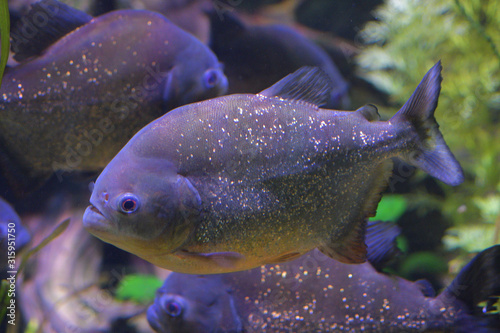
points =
(95, 221)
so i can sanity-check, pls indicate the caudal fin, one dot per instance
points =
(477, 286)
(432, 154)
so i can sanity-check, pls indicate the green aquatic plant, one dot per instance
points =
(4, 36)
(390, 208)
(139, 288)
(404, 42)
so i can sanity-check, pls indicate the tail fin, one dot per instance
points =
(380, 239)
(478, 281)
(432, 155)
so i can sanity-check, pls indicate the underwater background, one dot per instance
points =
(378, 50)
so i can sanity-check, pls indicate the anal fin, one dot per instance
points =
(352, 248)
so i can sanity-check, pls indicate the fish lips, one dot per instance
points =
(95, 221)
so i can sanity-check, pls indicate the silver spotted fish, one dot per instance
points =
(84, 86)
(317, 294)
(244, 180)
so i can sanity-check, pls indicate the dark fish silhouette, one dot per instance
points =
(317, 294)
(86, 85)
(245, 180)
(13, 237)
(256, 57)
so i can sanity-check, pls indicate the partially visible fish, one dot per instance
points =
(13, 237)
(186, 14)
(68, 285)
(86, 85)
(244, 180)
(317, 294)
(255, 57)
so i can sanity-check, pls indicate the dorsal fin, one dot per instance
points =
(426, 288)
(45, 23)
(369, 112)
(308, 84)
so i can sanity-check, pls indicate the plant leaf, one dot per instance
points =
(139, 288)
(4, 35)
(390, 208)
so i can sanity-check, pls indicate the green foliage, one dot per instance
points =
(472, 238)
(390, 208)
(138, 288)
(4, 299)
(4, 36)
(494, 309)
(423, 262)
(401, 46)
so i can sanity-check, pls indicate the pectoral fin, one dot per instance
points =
(189, 198)
(283, 258)
(220, 259)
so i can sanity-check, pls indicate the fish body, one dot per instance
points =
(243, 180)
(269, 52)
(73, 104)
(317, 294)
(13, 236)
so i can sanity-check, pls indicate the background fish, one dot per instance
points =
(243, 180)
(269, 52)
(317, 294)
(10, 224)
(85, 86)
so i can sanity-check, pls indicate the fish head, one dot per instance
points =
(142, 206)
(194, 303)
(195, 80)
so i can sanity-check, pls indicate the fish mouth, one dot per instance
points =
(94, 209)
(94, 220)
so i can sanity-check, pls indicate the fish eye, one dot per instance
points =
(173, 308)
(210, 78)
(128, 203)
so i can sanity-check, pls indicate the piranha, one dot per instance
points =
(244, 180)
(84, 86)
(13, 236)
(317, 294)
